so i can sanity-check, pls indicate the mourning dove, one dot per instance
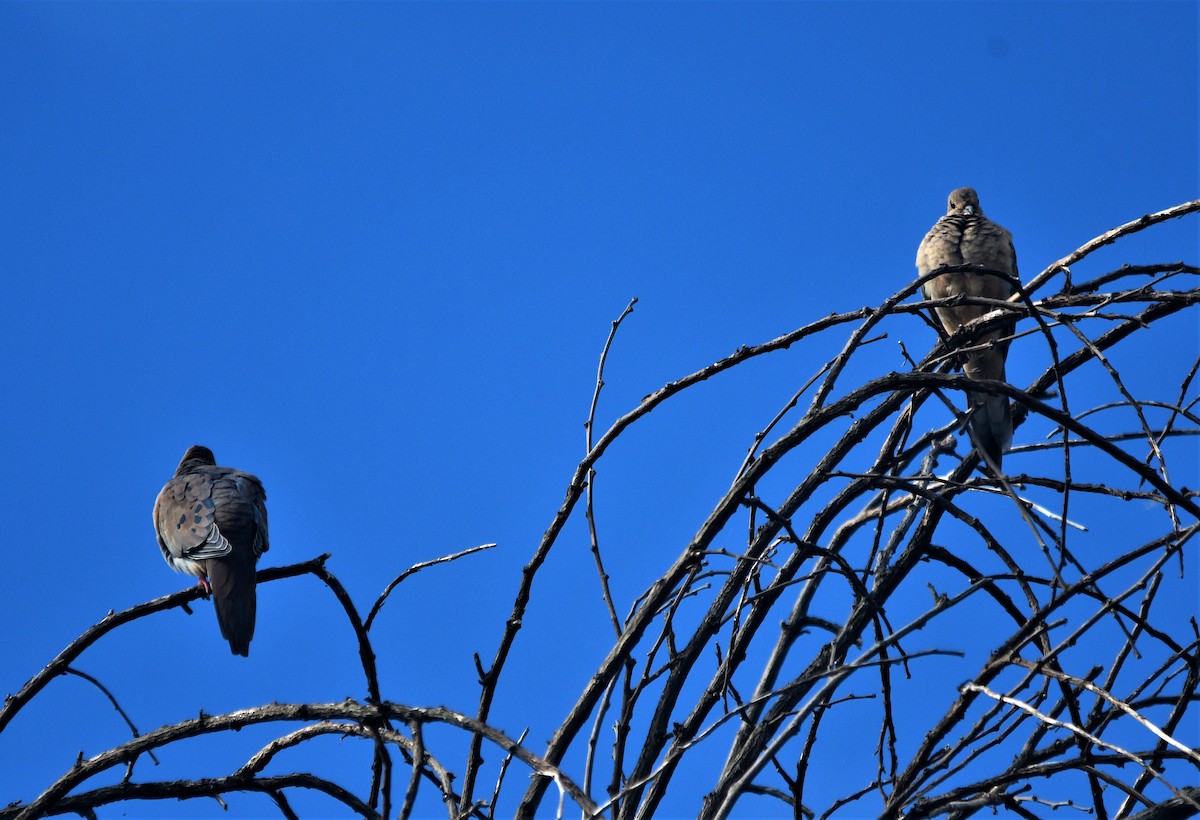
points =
(964, 236)
(212, 523)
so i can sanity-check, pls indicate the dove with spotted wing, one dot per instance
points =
(212, 523)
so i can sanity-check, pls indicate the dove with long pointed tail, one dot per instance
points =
(212, 523)
(964, 236)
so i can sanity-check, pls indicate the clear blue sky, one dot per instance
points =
(371, 252)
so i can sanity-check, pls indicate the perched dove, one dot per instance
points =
(212, 523)
(964, 236)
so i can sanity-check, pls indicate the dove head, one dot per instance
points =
(196, 455)
(963, 201)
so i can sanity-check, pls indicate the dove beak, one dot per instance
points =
(970, 209)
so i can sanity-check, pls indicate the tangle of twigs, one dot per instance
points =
(887, 629)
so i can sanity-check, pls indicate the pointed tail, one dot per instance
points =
(232, 580)
(991, 424)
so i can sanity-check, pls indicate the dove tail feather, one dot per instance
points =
(992, 424)
(234, 598)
